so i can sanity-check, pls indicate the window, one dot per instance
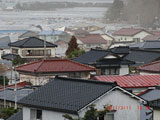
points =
(110, 71)
(36, 114)
(36, 52)
(14, 51)
(109, 116)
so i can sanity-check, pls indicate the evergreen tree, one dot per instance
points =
(72, 45)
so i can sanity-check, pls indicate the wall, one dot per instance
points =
(118, 98)
(141, 35)
(147, 73)
(123, 38)
(52, 52)
(156, 115)
(124, 70)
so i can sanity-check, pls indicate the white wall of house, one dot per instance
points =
(124, 70)
(147, 73)
(140, 35)
(156, 114)
(115, 98)
(119, 99)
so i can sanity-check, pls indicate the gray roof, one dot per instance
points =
(31, 42)
(9, 56)
(154, 44)
(91, 56)
(141, 57)
(17, 116)
(10, 94)
(4, 42)
(151, 94)
(67, 95)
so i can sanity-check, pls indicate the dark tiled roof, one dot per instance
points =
(141, 57)
(54, 66)
(31, 42)
(17, 116)
(10, 93)
(155, 104)
(91, 56)
(121, 50)
(66, 94)
(9, 56)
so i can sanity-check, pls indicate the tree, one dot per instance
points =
(18, 60)
(7, 112)
(115, 11)
(92, 113)
(72, 45)
(6, 80)
(76, 53)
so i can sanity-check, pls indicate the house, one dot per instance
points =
(130, 34)
(17, 116)
(151, 37)
(147, 45)
(107, 62)
(89, 41)
(38, 73)
(141, 57)
(152, 68)
(28, 34)
(4, 48)
(73, 96)
(61, 49)
(33, 48)
(153, 95)
(9, 95)
(134, 83)
(54, 36)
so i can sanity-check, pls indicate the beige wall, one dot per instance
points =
(21, 49)
(156, 114)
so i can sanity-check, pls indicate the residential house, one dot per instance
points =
(147, 45)
(153, 95)
(73, 96)
(107, 62)
(38, 73)
(4, 48)
(134, 83)
(61, 49)
(89, 41)
(10, 95)
(33, 48)
(28, 34)
(155, 104)
(152, 68)
(130, 34)
(151, 37)
(54, 36)
(141, 57)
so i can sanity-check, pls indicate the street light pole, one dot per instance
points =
(4, 85)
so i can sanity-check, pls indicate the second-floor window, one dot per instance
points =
(35, 53)
(36, 114)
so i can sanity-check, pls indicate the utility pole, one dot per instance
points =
(15, 92)
(4, 85)
(45, 48)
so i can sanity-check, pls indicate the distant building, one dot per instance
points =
(33, 48)
(89, 41)
(130, 34)
(28, 34)
(38, 73)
